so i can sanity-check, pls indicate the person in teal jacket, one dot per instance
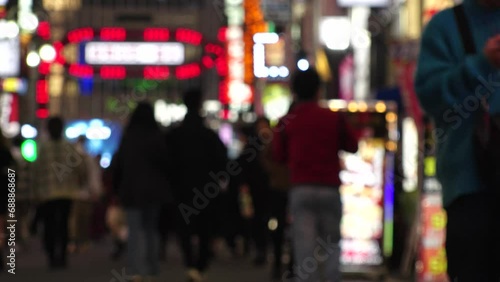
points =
(450, 85)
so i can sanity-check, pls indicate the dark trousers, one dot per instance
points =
(200, 227)
(278, 212)
(55, 219)
(472, 241)
(260, 231)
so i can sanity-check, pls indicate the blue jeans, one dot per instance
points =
(316, 213)
(143, 241)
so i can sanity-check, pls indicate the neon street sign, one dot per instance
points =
(134, 53)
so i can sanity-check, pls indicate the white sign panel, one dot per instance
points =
(9, 58)
(366, 3)
(134, 53)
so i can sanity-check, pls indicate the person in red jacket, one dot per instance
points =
(309, 139)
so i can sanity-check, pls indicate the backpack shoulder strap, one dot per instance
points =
(464, 29)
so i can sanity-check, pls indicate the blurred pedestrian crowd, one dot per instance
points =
(181, 182)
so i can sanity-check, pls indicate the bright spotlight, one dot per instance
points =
(47, 53)
(28, 21)
(32, 60)
(303, 64)
(10, 29)
(28, 131)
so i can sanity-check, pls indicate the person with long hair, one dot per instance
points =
(141, 186)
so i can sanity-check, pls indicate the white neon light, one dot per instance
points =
(28, 131)
(98, 133)
(32, 60)
(274, 71)
(9, 128)
(105, 160)
(212, 106)
(166, 114)
(266, 38)
(134, 53)
(335, 32)
(10, 53)
(259, 57)
(284, 72)
(303, 64)
(9, 29)
(47, 53)
(28, 21)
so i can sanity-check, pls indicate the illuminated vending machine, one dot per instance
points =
(367, 187)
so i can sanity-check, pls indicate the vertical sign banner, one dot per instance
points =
(10, 50)
(234, 89)
(9, 115)
(431, 264)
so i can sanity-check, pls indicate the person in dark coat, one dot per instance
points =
(197, 159)
(141, 185)
(255, 179)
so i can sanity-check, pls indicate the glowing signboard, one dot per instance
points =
(9, 60)
(269, 49)
(9, 115)
(134, 53)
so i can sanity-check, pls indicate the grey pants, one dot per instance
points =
(316, 213)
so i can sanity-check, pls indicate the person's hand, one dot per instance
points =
(492, 50)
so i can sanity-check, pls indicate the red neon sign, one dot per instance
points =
(44, 30)
(154, 72)
(113, 33)
(42, 93)
(113, 72)
(156, 34)
(213, 54)
(81, 34)
(42, 113)
(81, 70)
(188, 36)
(188, 71)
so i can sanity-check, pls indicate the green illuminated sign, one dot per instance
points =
(29, 151)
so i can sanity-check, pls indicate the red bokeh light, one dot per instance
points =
(42, 113)
(188, 36)
(59, 47)
(214, 49)
(81, 34)
(223, 92)
(44, 68)
(224, 114)
(113, 72)
(156, 34)
(207, 62)
(113, 33)
(44, 30)
(222, 34)
(187, 71)
(42, 92)
(154, 72)
(221, 66)
(81, 70)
